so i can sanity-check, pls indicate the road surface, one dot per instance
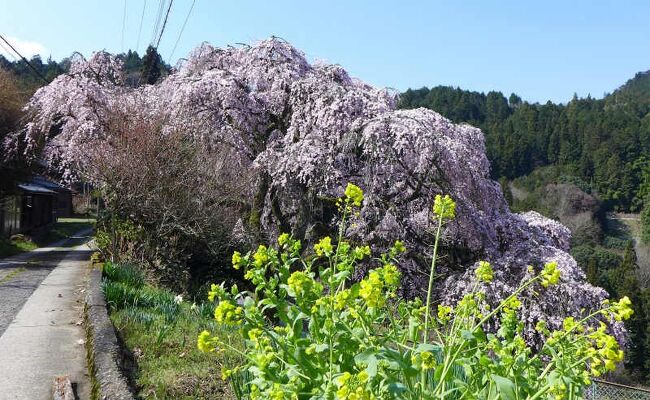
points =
(41, 305)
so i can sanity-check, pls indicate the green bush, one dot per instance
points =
(614, 242)
(312, 333)
(118, 239)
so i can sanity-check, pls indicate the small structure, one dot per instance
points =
(33, 205)
(63, 204)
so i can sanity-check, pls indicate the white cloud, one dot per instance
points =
(25, 47)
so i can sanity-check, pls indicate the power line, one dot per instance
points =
(9, 53)
(154, 34)
(181, 32)
(25, 60)
(162, 30)
(123, 26)
(144, 7)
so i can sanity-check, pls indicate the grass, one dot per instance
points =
(161, 335)
(11, 275)
(12, 247)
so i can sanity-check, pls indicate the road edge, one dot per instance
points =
(104, 352)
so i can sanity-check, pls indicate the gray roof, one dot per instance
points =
(34, 188)
(42, 181)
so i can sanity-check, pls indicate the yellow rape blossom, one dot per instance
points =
(237, 260)
(550, 274)
(324, 246)
(354, 194)
(204, 343)
(228, 314)
(484, 272)
(372, 290)
(261, 256)
(444, 207)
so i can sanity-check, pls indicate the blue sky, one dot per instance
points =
(540, 50)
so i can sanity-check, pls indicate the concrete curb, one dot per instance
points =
(104, 351)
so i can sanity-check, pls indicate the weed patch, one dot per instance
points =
(160, 331)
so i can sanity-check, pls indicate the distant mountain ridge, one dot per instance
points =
(602, 144)
(635, 90)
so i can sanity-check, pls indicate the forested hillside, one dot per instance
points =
(146, 69)
(602, 145)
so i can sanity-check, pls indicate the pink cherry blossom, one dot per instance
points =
(305, 131)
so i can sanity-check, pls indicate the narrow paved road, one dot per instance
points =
(20, 275)
(41, 308)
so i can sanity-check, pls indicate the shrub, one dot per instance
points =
(311, 332)
(614, 242)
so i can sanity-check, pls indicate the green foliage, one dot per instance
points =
(311, 332)
(614, 242)
(9, 247)
(601, 144)
(605, 259)
(624, 280)
(619, 276)
(152, 66)
(27, 79)
(117, 238)
(125, 274)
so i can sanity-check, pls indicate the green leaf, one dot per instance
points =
(364, 356)
(321, 347)
(369, 359)
(467, 335)
(396, 388)
(372, 367)
(505, 386)
(341, 275)
(433, 348)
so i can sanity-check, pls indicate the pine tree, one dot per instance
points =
(505, 188)
(151, 66)
(593, 275)
(628, 285)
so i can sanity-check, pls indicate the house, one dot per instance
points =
(63, 206)
(33, 205)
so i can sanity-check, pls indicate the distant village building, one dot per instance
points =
(33, 205)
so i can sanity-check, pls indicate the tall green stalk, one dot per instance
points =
(431, 276)
(425, 334)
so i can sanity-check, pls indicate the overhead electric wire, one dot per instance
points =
(38, 73)
(154, 34)
(181, 32)
(9, 53)
(123, 27)
(162, 30)
(144, 7)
